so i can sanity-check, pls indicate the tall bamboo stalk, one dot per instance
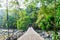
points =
(7, 16)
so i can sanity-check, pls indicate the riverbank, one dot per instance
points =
(18, 33)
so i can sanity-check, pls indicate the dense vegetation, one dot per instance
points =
(42, 14)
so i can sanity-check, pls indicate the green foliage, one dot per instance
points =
(58, 17)
(45, 17)
(55, 36)
(23, 23)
